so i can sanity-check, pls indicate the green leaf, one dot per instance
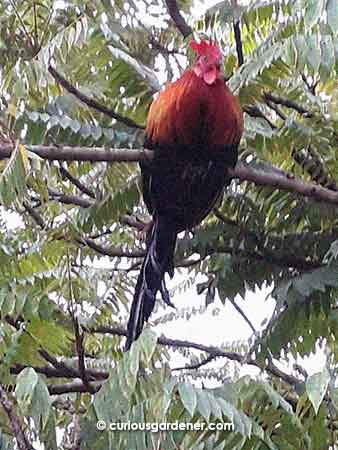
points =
(332, 15)
(328, 56)
(313, 12)
(32, 395)
(317, 279)
(316, 387)
(13, 177)
(203, 403)
(313, 53)
(147, 344)
(143, 71)
(188, 397)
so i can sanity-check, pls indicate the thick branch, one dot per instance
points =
(90, 101)
(15, 422)
(59, 365)
(74, 386)
(178, 19)
(61, 372)
(242, 172)
(91, 154)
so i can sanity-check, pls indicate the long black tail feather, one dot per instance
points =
(158, 260)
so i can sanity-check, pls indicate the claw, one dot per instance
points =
(144, 231)
(165, 295)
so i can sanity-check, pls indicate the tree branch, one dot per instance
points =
(34, 214)
(276, 109)
(162, 49)
(66, 174)
(70, 199)
(70, 372)
(74, 386)
(90, 101)
(61, 371)
(134, 222)
(242, 172)
(178, 19)
(239, 45)
(212, 351)
(79, 339)
(90, 154)
(288, 183)
(15, 422)
(254, 111)
(242, 313)
(111, 251)
(195, 366)
(288, 103)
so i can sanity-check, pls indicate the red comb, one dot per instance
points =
(206, 48)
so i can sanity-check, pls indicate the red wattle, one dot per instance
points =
(210, 76)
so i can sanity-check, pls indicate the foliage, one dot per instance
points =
(67, 266)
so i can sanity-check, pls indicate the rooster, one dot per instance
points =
(194, 128)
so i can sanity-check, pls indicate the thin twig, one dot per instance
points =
(288, 104)
(111, 251)
(46, 27)
(69, 199)
(275, 108)
(195, 366)
(254, 111)
(239, 44)
(79, 334)
(311, 87)
(15, 422)
(59, 365)
(215, 351)
(91, 102)
(24, 29)
(162, 49)
(66, 174)
(79, 339)
(242, 313)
